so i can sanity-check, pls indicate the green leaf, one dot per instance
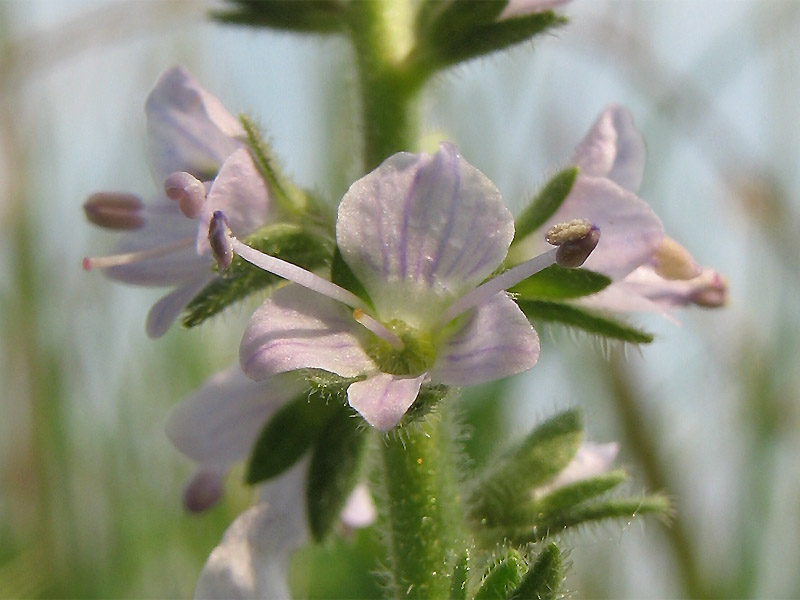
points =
(559, 283)
(578, 492)
(503, 492)
(458, 587)
(286, 241)
(467, 30)
(334, 470)
(502, 577)
(287, 435)
(307, 16)
(590, 321)
(545, 204)
(542, 581)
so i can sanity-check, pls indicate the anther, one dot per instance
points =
(219, 238)
(188, 191)
(575, 239)
(673, 261)
(115, 210)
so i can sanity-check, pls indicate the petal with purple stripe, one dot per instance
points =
(299, 329)
(494, 341)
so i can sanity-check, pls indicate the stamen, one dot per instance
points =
(220, 241)
(502, 282)
(377, 328)
(115, 210)
(188, 191)
(575, 239)
(673, 261)
(115, 260)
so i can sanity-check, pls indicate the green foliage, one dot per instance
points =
(458, 585)
(543, 579)
(334, 470)
(545, 204)
(306, 16)
(577, 492)
(558, 283)
(502, 577)
(504, 489)
(286, 241)
(582, 318)
(287, 435)
(452, 32)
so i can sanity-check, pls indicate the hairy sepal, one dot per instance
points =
(558, 283)
(545, 204)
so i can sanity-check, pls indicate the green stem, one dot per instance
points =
(424, 526)
(382, 36)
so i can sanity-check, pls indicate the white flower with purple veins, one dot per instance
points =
(198, 158)
(650, 271)
(421, 233)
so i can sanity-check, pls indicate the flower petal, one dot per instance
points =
(383, 399)
(629, 231)
(188, 128)
(523, 8)
(218, 423)
(238, 191)
(164, 312)
(613, 148)
(252, 560)
(495, 341)
(590, 460)
(359, 510)
(420, 230)
(296, 328)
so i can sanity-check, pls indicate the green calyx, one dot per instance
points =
(415, 357)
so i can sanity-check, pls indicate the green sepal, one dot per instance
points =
(287, 435)
(612, 508)
(502, 577)
(502, 495)
(334, 470)
(428, 398)
(464, 31)
(286, 241)
(545, 204)
(308, 16)
(543, 579)
(575, 493)
(588, 320)
(558, 283)
(458, 585)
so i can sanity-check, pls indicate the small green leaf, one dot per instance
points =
(590, 321)
(458, 587)
(503, 492)
(559, 283)
(545, 204)
(502, 577)
(287, 435)
(575, 493)
(308, 16)
(542, 581)
(289, 242)
(334, 470)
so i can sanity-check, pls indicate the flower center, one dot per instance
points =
(416, 355)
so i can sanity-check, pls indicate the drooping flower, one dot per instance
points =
(420, 233)
(201, 165)
(650, 271)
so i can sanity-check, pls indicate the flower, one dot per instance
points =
(420, 233)
(590, 460)
(523, 8)
(650, 271)
(198, 158)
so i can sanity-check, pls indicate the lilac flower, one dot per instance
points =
(522, 8)
(650, 271)
(198, 159)
(590, 460)
(421, 233)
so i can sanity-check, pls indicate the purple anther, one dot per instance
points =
(115, 210)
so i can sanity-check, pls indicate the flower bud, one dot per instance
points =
(115, 210)
(187, 191)
(575, 239)
(219, 238)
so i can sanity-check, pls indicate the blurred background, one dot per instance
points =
(709, 413)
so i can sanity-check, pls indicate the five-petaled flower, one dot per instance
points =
(199, 160)
(421, 233)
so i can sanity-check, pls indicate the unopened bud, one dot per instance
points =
(673, 261)
(575, 239)
(204, 490)
(188, 191)
(115, 210)
(219, 238)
